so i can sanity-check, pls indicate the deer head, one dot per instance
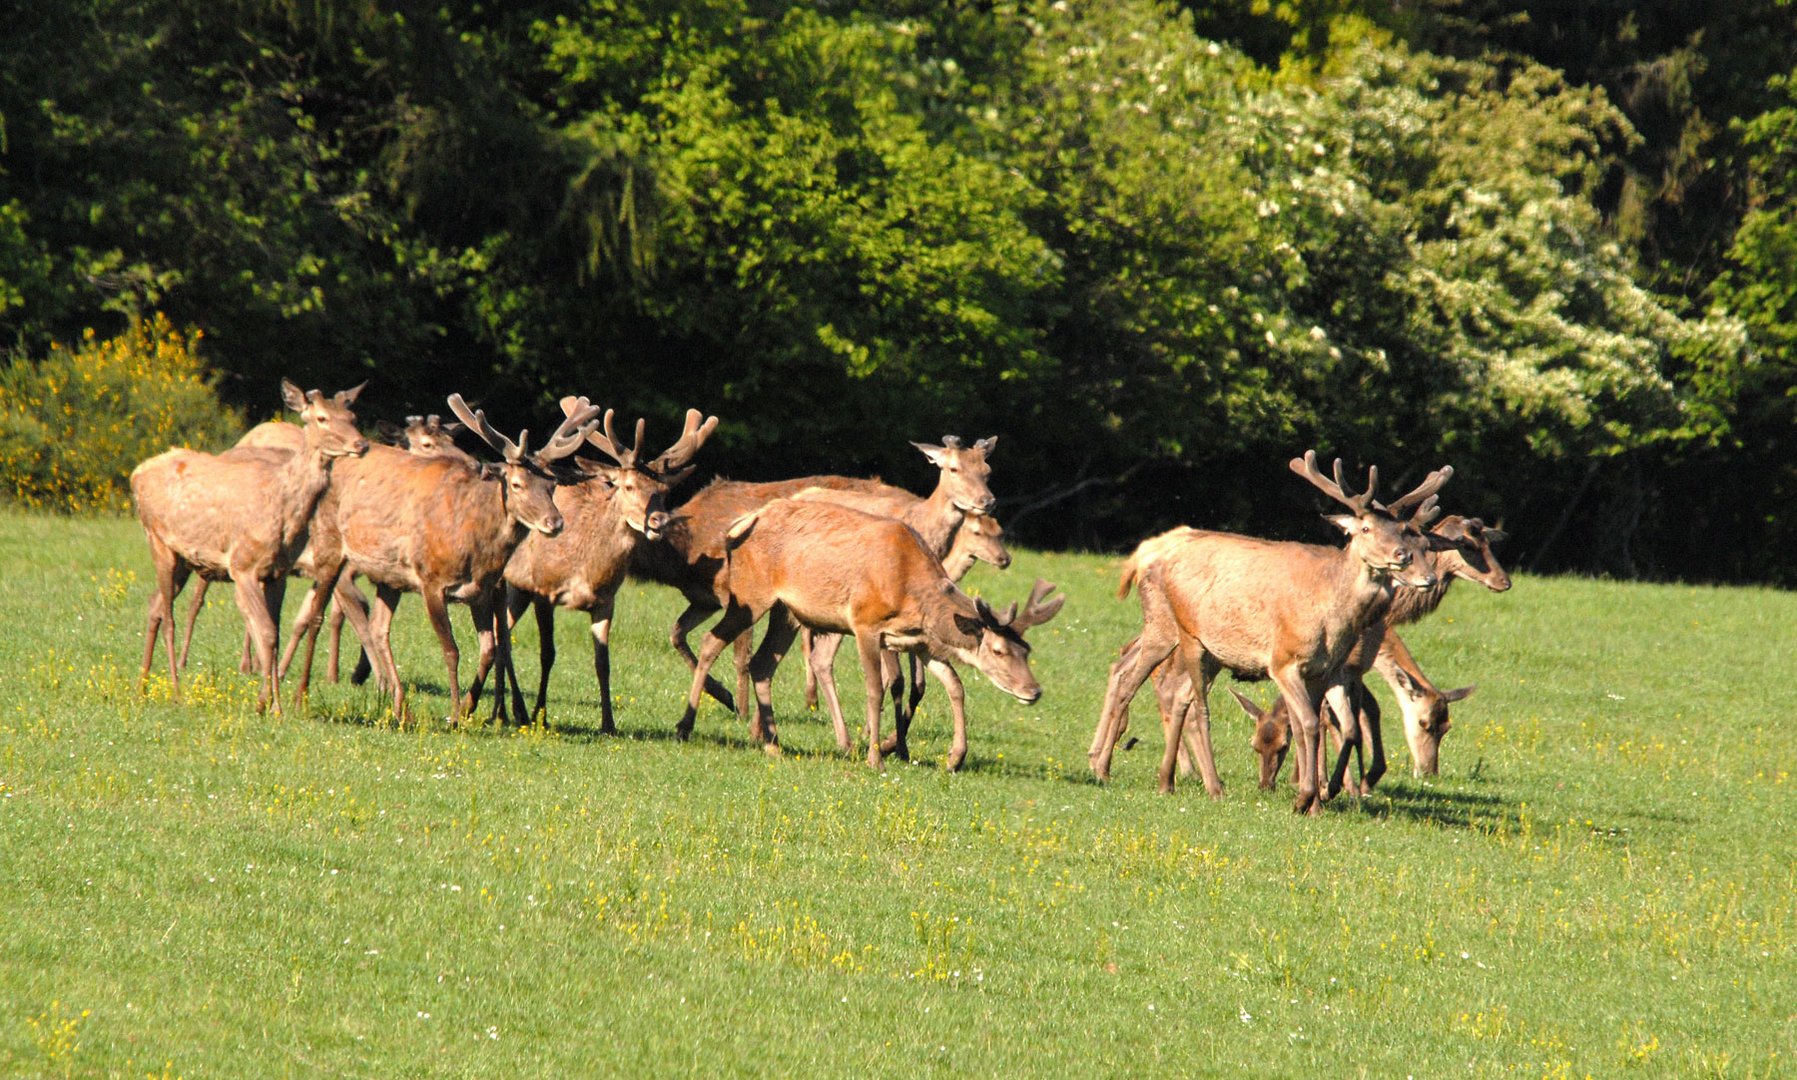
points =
(526, 484)
(1001, 652)
(964, 472)
(1465, 551)
(329, 425)
(1272, 736)
(639, 490)
(1389, 540)
(979, 539)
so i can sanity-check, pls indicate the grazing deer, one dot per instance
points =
(690, 556)
(840, 570)
(1458, 547)
(979, 539)
(444, 530)
(1287, 611)
(246, 516)
(606, 510)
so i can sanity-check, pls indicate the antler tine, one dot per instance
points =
(1306, 467)
(1038, 608)
(573, 431)
(477, 423)
(951, 442)
(1426, 513)
(693, 437)
(1430, 485)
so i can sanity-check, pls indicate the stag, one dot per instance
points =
(244, 515)
(1458, 547)
(1287, 611)
(606, 511)
(690, 556)
(444, 530)
(836, 569)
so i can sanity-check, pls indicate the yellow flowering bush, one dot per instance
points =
(75, 423)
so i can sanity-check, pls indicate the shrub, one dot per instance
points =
(75, 423)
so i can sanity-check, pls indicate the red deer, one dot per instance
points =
(1458, 547)
(606, 511)
(836, 569)
(690, 556)
(444, 530)
(1287, 611)
(979, 539)
(246, 516)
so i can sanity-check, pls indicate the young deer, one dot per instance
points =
(444, 530)
(840, 570)
(690, 556)
(979, 539)
(1287, 611)
(244, 515)
(607, 510)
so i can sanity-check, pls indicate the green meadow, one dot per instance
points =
(1602, 881)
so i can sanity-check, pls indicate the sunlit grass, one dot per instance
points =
(1599, 883)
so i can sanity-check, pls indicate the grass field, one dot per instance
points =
(1602, 881)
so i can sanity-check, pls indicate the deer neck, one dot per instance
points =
(1409, 604)
(303, 481)
(1362, 594)
(936, 520)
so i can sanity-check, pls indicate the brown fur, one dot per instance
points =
(1285, 611)
(837, 569)
(245, 515)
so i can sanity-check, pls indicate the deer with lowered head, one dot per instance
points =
(607, 510)
(690, 556)
(244, 515)
(1286, 611)
(445, 530)
(836, 569)
(1458, 547)
(979, 539)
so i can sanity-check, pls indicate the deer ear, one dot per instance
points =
(1459, 695)
(1344, 522)
(968, 624)
(1248, 705)
(936, 454)
(293, 396)
(454, 426)
(348, 397)
(1496, 535)
(987, 445)
(674, 478)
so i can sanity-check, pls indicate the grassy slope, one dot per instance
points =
(1601, 879)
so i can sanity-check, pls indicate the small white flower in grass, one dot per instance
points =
(1244, 1015)
(492, 1033)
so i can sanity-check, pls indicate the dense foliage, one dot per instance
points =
(1158, 248)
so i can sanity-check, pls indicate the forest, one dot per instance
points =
(1157, 248)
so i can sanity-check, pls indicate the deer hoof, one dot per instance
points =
(873, 758)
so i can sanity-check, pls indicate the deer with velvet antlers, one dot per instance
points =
(607, 510)
(1286, 611)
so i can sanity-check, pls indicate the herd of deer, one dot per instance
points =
(817, 557)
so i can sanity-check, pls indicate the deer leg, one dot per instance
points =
(893, 677)
(1158, 639)
(1337, 700)
(868, 646)
(917, 684)
(1366, 711)
(781, 629)
(740, 649)
(601, 627)
(171, 574)
(805, 643)
(352, 605)
(380, 631)
(683, 626)
(436, 608)
(1307, 773)
(820, 669)
(194, 604)
(957, 704)
(1110, 702)
(1202, 669)
(305, 629)
(253, 603)
(736, 621)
